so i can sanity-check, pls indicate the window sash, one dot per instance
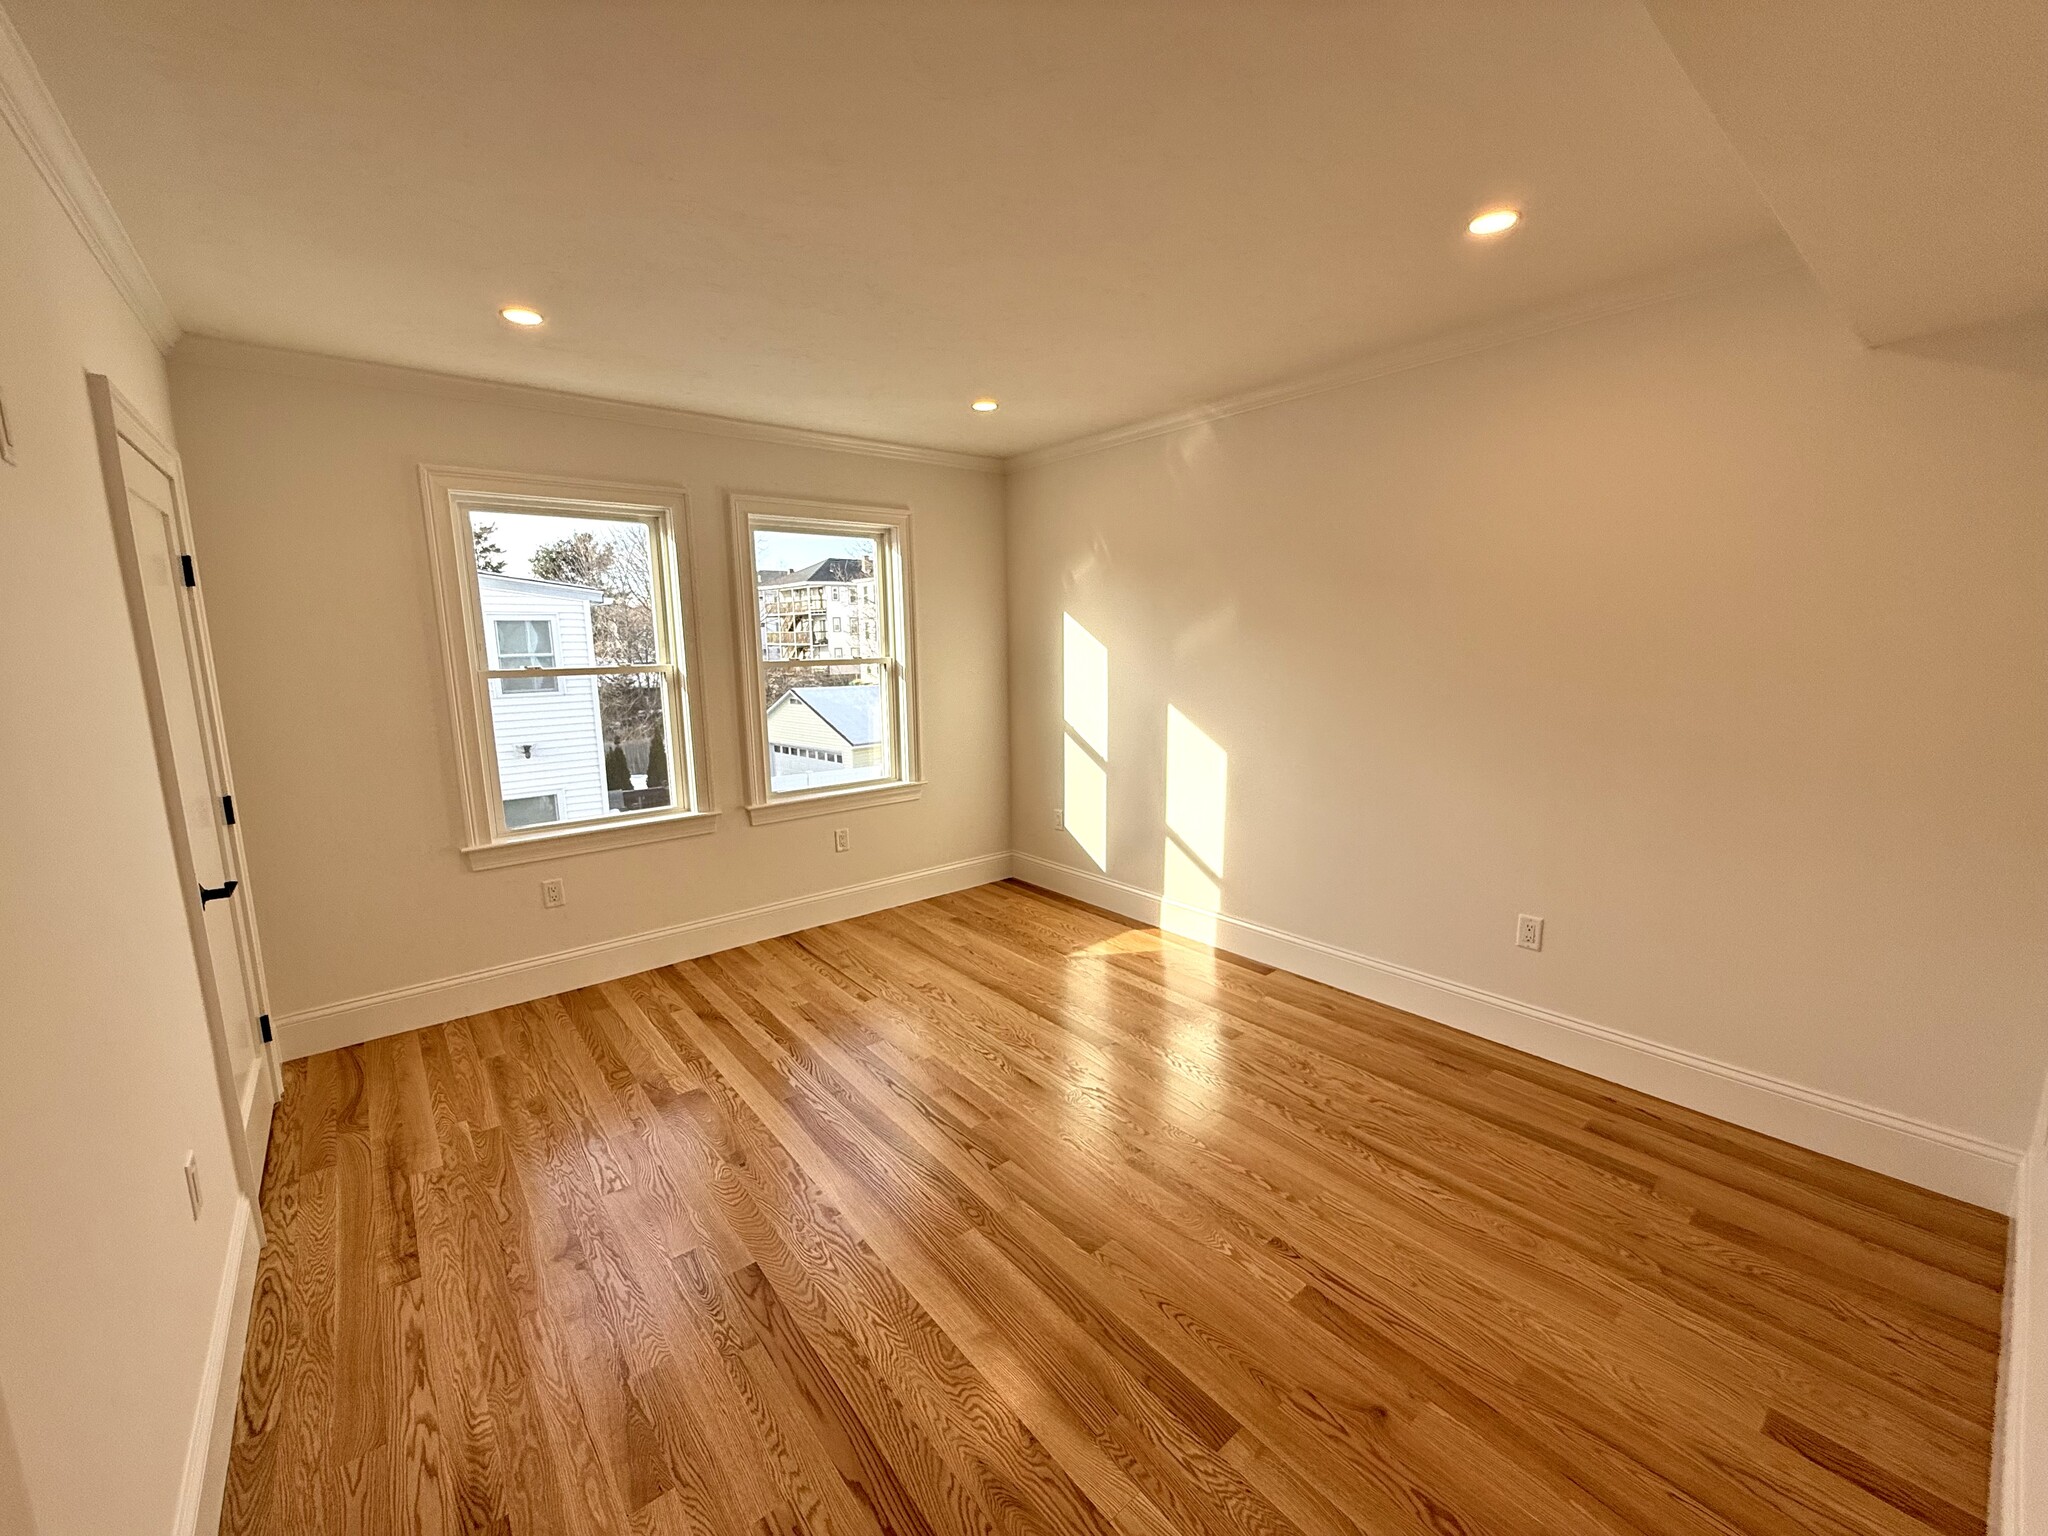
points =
(667, 586)
(892, 579)
(626, 669)
(675, 739)
(830, 661)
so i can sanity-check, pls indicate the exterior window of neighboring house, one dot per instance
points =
(566, 646)
(826, 645)
(533, 810)
(526, 643)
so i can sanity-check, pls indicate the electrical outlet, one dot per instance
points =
(841, 839)
(1059, 819)
(192, 1183)
(1529, 932)
(552, 894)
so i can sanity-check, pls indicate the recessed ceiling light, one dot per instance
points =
(519, 314)
(1495, 221)
(984, 404)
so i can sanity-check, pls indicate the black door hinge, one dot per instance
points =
(217, 892)
(191, 576)
(227, 809)
(263, 1023)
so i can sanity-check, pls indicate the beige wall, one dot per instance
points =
(305, 492)
(1713, 638)
(107, 1285)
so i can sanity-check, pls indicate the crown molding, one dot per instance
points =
(252, 357)
(1763, 259)
(27, 106)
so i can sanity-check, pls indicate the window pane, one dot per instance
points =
(597, 744)
(819, 595)
(827, 726)
(584, 583)
(532, 811)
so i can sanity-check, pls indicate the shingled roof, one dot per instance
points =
(835, 568)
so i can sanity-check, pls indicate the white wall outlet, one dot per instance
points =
(1059, 819)
(192, 1183)
(841, 839)
(1529, 932)
(552, 894)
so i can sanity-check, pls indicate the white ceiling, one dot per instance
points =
(857, 215)
(1902, 143)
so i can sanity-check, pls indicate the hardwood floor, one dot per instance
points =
(999, 1214)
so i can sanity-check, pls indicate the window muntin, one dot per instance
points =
(824, 594)
(566, 641)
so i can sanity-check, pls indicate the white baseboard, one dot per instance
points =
(206, 1454)
(1931, 1156)
(435, 1002)
(2016, 1478)
(259, 1100)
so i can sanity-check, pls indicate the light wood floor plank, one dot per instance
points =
(998, 1214)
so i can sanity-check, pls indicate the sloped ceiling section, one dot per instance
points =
(1903, 144)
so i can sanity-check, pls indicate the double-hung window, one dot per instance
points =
(825, 637)
(565, 637)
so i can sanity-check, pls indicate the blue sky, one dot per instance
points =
(786, 551)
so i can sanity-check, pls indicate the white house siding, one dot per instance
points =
(548, 743)
(794, 724)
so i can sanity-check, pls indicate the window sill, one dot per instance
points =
(575, 840)
(821, 801)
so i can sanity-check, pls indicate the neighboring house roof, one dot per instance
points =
(854, 710)
(837, 568)
(487, 580)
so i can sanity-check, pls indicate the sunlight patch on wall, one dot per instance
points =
(1086, 797)
(1087, 687)
(1085, 791)
(1197, 797)
(1192, 898)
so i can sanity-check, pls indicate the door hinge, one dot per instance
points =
(263, 1023)
(217, 892)
(191, 576)
(227, 809)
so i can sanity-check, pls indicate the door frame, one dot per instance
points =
(116, 421)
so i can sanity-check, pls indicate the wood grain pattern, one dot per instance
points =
(997, 1214)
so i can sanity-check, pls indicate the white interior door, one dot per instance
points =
(145, 491)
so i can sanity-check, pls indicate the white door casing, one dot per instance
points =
(146, 497)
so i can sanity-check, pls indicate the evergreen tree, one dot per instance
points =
(490, 559)
(617, 775)
(657, 762)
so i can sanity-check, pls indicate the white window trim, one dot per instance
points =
(466, 658)
(891, 524)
